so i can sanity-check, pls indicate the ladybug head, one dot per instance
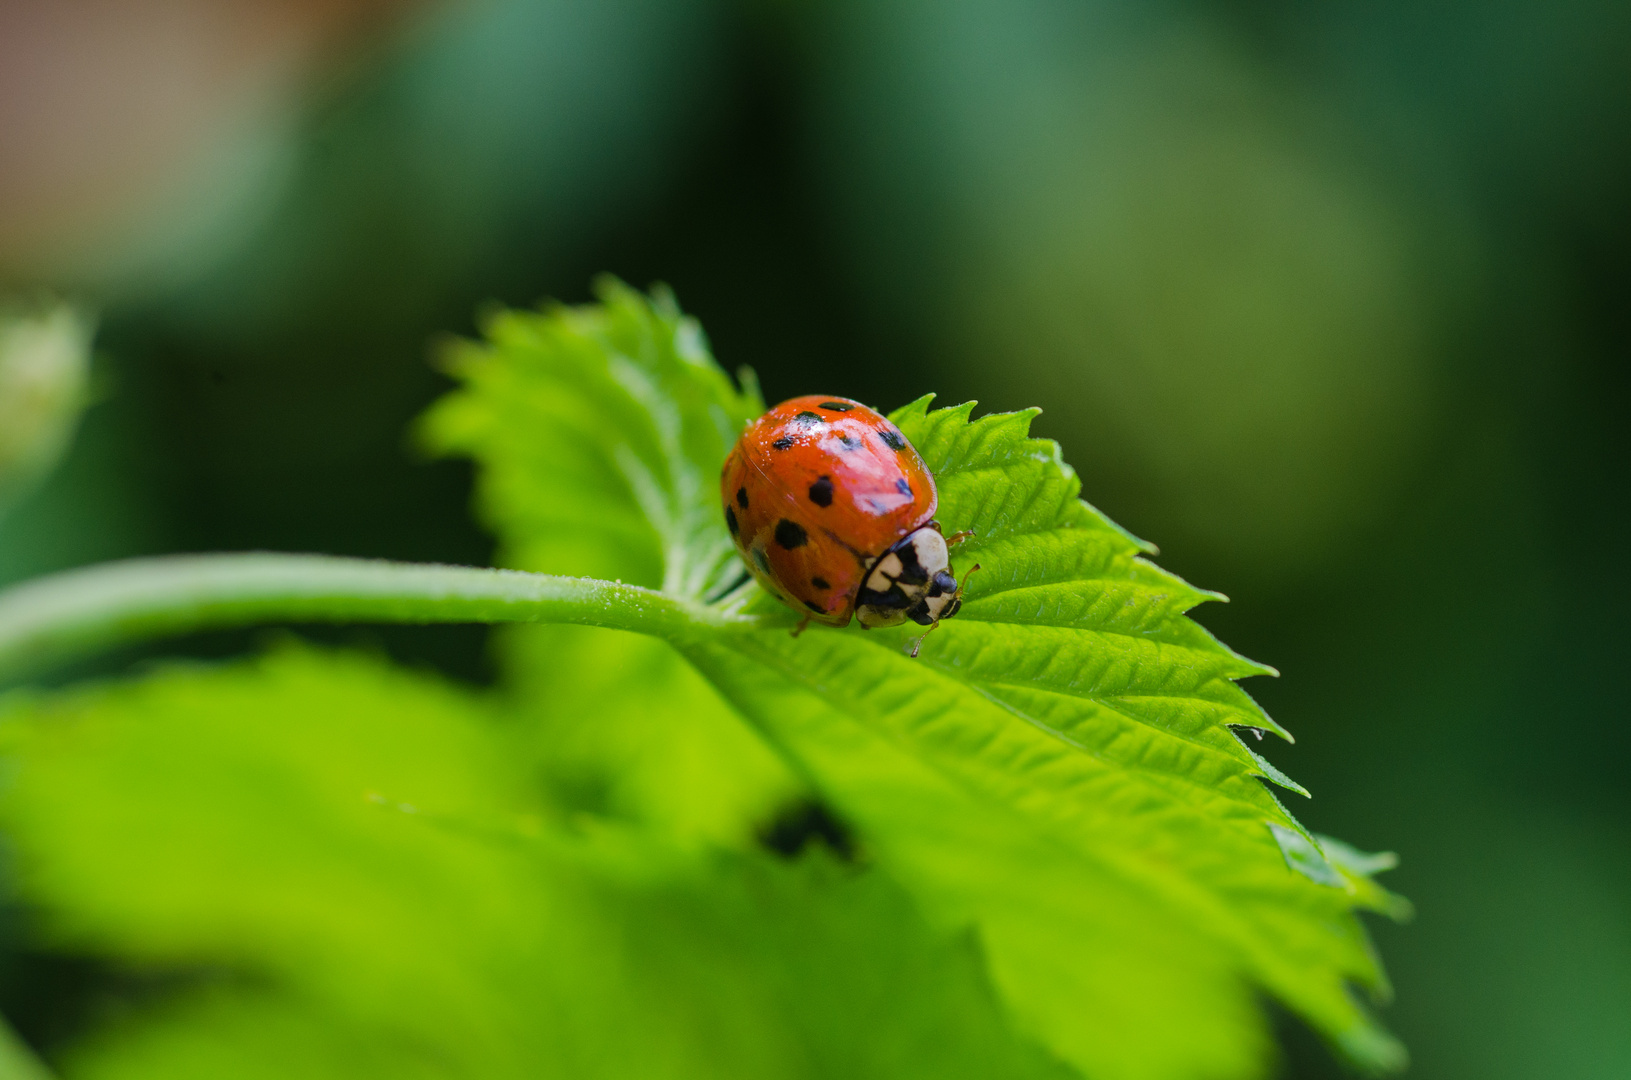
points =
(912, 580)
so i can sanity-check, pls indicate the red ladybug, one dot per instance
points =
(833, 511)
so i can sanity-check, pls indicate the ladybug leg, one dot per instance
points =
(799, 629)
(959, 536)
(918, 644)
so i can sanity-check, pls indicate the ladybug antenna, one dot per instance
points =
(962, 585)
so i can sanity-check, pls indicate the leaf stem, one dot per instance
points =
(56, 618)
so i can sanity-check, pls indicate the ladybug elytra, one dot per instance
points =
(832, 509)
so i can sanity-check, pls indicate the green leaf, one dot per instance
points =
(344, 870)
(601, 430)
(324, 867)
(1059, 771)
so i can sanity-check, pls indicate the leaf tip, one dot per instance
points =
(913, 409)
(664, 300)
(748, 381)
(1304, 856)
(1399, 908)
(1143, 546)
(1372, 1050)
(608, 288)
(1272, 774)
(1355, 861)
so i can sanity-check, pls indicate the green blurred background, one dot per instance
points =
(1332, 301)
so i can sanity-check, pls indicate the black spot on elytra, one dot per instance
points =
(821, 491)
(730, 521)
(742, 497)
(815, 607)
(808, 418)
(761, 562)
(849, 442)
(892, 439)
(903, 487)
(820, 583)
(783, 443)
(837, 406)
(790, 534)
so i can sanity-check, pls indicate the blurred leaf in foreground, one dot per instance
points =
(338, 870)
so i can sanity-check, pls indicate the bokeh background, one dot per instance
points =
(1332, 301)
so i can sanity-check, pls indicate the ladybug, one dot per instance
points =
(833, 512)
